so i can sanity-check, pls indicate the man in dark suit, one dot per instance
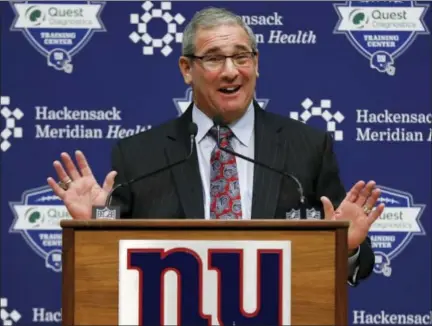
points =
(220, 62)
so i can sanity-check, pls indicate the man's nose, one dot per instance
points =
(229, 69)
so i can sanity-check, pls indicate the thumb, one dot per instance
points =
(109, 181)
(328, 208)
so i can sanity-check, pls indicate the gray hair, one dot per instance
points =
(209, 18)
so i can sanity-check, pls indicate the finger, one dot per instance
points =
(365, 193)
(375, 214)
(63, 176)
(56, 188)
(109, 181)
(70, 166)
(373, 198)
(83, 164)
(328, 208)
(355, 191)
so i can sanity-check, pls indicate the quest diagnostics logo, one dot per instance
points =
(35, 16)
(359, 18)
(37, 219)
(58, 30)
(381, 30)
(395, 228)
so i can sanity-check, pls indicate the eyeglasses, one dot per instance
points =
(216, 61)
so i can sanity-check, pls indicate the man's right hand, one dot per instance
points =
(82, 190)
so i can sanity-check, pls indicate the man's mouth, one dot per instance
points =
(229, 90)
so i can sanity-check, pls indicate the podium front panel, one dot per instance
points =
(96, 270)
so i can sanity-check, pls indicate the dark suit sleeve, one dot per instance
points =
(122, 196)
(330, 185)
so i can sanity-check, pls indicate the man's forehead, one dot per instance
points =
(222, 38)
(228, 47)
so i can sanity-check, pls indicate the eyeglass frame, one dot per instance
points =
(201, 58)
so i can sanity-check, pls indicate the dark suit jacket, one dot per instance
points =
(280, 142)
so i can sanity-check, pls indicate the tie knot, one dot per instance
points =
(225, 133)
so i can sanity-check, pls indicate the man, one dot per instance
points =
(220, 62)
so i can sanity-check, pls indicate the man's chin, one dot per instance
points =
(233, 111)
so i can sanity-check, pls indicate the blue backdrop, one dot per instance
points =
(82, 75)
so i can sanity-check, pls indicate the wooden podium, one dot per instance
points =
(319, 263)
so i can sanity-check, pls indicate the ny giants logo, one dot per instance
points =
(205, 283)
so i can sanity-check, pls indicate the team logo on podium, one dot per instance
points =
(381, 30)
(37, 218)
(396, 227)
(204, 282)
(58, 30)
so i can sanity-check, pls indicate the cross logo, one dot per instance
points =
(8, 318)
(10, 129)
(323, 111)
(143, 34)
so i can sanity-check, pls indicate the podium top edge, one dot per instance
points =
(308, 225)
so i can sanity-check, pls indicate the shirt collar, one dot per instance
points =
(242, 128)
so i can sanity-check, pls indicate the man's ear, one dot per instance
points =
(185, 66)
(256, 64)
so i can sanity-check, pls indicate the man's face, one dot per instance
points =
(224, 87)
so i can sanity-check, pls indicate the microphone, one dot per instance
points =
(113, 212)
(218, 122)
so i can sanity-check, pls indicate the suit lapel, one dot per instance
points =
(268, 150)
(186, 175)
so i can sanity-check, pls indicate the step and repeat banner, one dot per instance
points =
(83, 74)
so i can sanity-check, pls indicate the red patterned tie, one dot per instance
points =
(224, 181)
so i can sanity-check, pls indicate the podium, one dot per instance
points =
(314, 274)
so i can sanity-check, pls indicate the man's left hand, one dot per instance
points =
(358, 208)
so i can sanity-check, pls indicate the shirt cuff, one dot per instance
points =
(353, 268)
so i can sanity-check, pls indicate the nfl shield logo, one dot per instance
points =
(204, 282)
